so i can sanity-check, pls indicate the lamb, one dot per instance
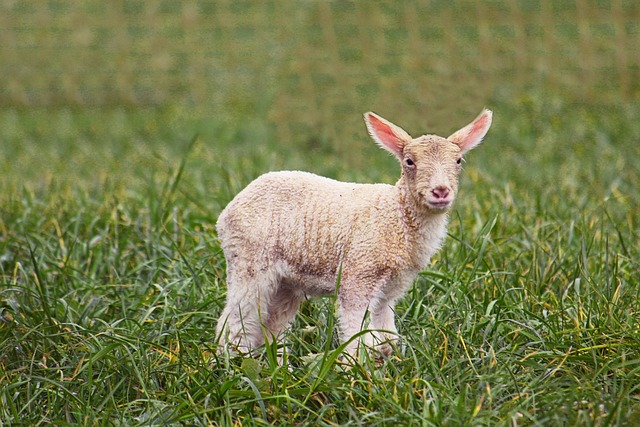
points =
(292, 235)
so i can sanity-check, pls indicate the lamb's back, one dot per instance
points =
(307, 215)
(293, 199)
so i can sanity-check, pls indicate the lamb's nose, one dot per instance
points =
(440, 192)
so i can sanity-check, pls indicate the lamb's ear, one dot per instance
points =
(471, 135)
(386, 134)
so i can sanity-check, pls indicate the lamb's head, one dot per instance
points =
(430, 164)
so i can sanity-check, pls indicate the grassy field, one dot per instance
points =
(112, 277)
(126, 127)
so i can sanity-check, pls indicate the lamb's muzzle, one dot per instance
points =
(440, 197)
(287, 236)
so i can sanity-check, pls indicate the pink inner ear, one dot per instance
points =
(386, 135)
(479, 128)
(471, 135)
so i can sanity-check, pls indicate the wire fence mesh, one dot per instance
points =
(303, 64)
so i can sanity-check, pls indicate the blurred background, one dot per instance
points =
(299, 73)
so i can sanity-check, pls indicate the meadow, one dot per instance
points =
(112, 278)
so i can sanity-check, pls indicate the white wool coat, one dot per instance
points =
(304, 229)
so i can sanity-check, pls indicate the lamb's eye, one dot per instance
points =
(409, 162)
(459, 160)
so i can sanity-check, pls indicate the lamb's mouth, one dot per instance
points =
(438, 198)
(439, 204)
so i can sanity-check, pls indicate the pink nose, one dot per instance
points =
(440, 192)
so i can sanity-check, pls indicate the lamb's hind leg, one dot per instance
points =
(282, 309)
(248, 299)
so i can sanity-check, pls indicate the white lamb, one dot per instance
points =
(288, 235)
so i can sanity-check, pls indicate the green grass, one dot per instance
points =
(112, 278)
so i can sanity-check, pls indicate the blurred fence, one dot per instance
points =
(303, 64)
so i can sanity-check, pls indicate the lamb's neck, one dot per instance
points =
(425, 228)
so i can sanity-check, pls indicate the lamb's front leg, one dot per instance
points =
(383, 321)
(354, 299)
(351, 318)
